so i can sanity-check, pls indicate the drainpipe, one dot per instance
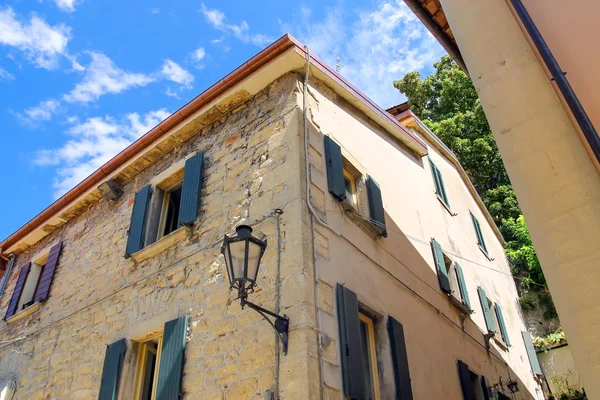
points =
(9, 267)
(559, 77)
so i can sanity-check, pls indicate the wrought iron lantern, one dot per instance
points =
(242, 254)
(513, 386)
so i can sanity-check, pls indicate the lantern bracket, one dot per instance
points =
(281, 324)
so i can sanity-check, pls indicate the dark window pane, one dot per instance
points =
(173, 211)
(149, 369)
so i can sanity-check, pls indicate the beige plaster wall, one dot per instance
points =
(252, 164)
(556, 183)
(571, 31)
(378, 269)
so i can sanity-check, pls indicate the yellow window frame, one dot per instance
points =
(141, 363)
(372, 354)
(353, 201)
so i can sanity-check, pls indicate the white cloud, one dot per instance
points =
(198, 54)
(381, 46)
(171, 93)
(156, 11)
(67, 5)
(217, 19)
(92, 143)
(41, 43)
(43, 112)
(5, 75)
(175, 73)
(102, 76)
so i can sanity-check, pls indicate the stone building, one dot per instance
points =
(380, 252)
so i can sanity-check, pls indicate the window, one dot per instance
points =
(161, 208)
(494, 319)
(356, 191)
(474, 387)
(146, 372)
(451, 278)
(33, 283)
(369, 359)
(438, 181)
(480, 239)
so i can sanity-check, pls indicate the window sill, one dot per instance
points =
(446, 206)
(25, 313)
(162, 244)
(500, 343)
(365, 225)
(458, 304)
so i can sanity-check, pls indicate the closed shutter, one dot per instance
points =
(376, 206)
(400, 360)
(465, 381)
(335, 169)
(440, 189)
(535, 364)
(170, 372)
(487, 313)
(111, 372)
(500, 318)
(14, 300)
(440, 266)
(485, 387)
(43, 288)
(135, 241)
(462, 286)
(350, 344)
(190, 192)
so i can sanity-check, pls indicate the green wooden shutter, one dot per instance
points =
(487, 313)
(438, 180)
(350, 344)
(503, 330)
(135, 241)
(533, 360)
(466, 384)
(462, 286)
(16, 296)
(190, 192)
(478, 233)
(440, 265)
(400, 360)
(485, 388)
(171, 359)
(335, 169)
(376, 206)
(111, 372)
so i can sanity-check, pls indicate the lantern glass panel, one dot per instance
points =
(238, 253)
(254, 252)
(228, 264)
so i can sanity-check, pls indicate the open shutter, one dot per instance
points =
(376, 206)
(485, 388)
(135, 241)
(190, 192)
(440, 266)
(480, 239)
(111, 372)
(350, 344)
(14, 300)
(465, 381)
(462, 286)
(335, 169)
(171, 359)
(535, 364)
(440, 189)
(400, 360)
(43, 288)
(487, 313)
(503, 330)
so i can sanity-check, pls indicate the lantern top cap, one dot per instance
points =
(243, 231)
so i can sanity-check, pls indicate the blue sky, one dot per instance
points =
(81, 79)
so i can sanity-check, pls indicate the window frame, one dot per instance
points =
(164, 208)
(372, 353)
(143, 349)
(353, 199)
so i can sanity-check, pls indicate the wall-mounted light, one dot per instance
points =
(243, 253)
(511, 384)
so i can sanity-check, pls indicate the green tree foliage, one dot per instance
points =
(447, 102)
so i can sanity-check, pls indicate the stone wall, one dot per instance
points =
(253, 164)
